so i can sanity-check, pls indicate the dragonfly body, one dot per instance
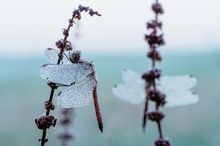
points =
(78, 77)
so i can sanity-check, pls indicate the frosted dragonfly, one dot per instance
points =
(176, 89)
(79, 78)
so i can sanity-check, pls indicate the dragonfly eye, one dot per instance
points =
(75, 57)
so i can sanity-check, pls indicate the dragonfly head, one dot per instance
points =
(75, 56)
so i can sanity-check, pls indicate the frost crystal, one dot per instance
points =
(176, 88)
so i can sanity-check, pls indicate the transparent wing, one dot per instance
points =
(178, 90)
(132, 90)
(131, 77)
(66, 74)
(77, 95)
(133, 94)
(52, 56)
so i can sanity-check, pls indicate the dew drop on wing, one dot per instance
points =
(66, 74)
(52, 56)
(77, 95)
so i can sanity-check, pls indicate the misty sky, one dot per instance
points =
(31, 26)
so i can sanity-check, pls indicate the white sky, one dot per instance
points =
(28, 26)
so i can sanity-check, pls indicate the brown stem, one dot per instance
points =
(145, 113)
(160, 130)
(43, 137)
(60, 57)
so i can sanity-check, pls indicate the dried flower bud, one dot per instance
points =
(66, 111)
(157, 8)
(83, 8)
(60, 44)
(77, 15)
(91, 12)
(154, 55)
(153, 39)
(150, 76)
(49, 105)
(162, 142)
(154, 24)
(157, 96)
(45, 122)
(65, 136)
(156, 116)
(65, 121)
(68, 46)
(71, 21)
(65, 32)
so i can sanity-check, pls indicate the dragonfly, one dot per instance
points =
(176, 88)
(77, 76)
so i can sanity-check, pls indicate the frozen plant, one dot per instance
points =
(150, 86)
(68, 69)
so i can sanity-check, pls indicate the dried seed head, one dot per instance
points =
(154, 24)
(157, 8)
(45, 122)
(154, 40)
(60, 44)
(162, 142)
(154, 55)
(65, 121)
(151, 75)
(49, 105)
(83, 8)
(71, 21)
(68, 46)
(156, 116)
(157, 96)
(65, 32)
(66, 136)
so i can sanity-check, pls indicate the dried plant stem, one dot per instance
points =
(154, 39)
(160, 130)
(46, 121)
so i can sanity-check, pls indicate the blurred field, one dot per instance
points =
(22, 93)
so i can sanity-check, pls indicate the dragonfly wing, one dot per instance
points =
(66, 74)
(77, 95)
(179, 82)
(132, 90)
(178, 90)
(131, 77)
(52, 56)
(133, 94)
(181, 98)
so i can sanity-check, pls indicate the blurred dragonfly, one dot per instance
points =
(176, 89)
(77, 75)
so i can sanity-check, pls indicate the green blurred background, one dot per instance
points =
(22, 93)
